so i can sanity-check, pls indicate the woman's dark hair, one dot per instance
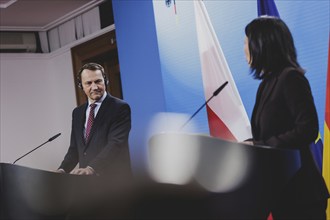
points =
(271, 46)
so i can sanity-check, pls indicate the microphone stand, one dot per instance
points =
(215, 93)
(49, 140)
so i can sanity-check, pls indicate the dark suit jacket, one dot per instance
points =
(284, 116)
(107, 150)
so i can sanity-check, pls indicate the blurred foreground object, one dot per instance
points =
(222, 180)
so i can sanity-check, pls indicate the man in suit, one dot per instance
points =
(100, 129)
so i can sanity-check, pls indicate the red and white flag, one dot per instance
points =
(226, 114)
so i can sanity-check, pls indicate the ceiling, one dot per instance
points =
(40, 15)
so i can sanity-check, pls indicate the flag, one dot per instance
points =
(326, 150)
(267, 7)
(317, 151)
(226, 114)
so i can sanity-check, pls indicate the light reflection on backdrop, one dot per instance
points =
(172, 158)
(178, 156)
(223, 166)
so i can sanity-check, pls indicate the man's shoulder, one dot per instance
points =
(80, 108)
(111, 99)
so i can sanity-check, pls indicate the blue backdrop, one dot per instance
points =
(159, 59)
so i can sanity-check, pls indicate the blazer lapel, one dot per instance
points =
(270, 83)
(269, 86)
(263, 95)
(255, 111)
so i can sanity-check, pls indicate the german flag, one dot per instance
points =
(326, 149)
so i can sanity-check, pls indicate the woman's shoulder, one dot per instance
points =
(292, 70)
(292, 73)
(293, 78)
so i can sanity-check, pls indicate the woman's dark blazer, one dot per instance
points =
(284, 116)
(107, 150)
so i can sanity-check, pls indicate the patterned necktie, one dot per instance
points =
(90, 121)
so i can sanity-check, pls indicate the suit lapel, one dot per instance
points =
(99, 117)
(103, 109)
(81, 115)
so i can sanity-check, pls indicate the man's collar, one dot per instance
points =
(99, 102)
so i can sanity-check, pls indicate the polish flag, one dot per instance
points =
(226, 114)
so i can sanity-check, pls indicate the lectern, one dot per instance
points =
(34, 194)
(27, 193)
(191, 177)
(242, 180)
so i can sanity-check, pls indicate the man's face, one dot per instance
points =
(93, 84)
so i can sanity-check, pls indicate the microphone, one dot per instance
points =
(49, 140)
(215, 93)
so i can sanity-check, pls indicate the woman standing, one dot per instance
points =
(284, 115)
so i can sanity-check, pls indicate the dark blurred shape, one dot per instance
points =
(106, 14)
(212, 193)
(19, 42)
(242, 180)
